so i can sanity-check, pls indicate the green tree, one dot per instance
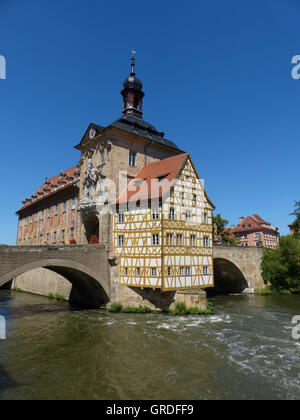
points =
(225, 234)
(281, 266)
(296, 224)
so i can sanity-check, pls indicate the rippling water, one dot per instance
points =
(244, 351)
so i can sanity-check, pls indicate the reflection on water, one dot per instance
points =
(243, 351)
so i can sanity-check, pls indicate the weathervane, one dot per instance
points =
(132, 62)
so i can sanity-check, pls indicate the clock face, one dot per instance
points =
(92, 133)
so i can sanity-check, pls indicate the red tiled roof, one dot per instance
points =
(154, 180)
(56, 183)
(252, 223)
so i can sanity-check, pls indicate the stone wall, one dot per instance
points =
(43, 282)
(155, 299)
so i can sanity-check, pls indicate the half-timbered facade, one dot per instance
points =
(163, 228)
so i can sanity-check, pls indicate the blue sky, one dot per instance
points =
(217, 78)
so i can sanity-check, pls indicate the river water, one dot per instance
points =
(244, 351)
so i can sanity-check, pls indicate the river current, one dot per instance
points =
(56, 351)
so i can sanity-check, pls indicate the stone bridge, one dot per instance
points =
(86, 267)
(237, 269)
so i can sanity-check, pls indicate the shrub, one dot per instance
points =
(137, 309)
(180, 309)
(281, 266)
(115, 307)
(56, 296)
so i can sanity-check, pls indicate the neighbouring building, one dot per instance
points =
(135, 192)
(254, 231)
(293, 228)
(50, 216)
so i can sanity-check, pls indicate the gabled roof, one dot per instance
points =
(253, 223)
(154, 180)
(86, 137)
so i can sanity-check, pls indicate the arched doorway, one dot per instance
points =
(91, 225)
(228, 278)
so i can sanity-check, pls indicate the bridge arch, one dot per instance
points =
(90, 287)
(228, 278)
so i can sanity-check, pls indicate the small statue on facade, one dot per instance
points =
(92, 173)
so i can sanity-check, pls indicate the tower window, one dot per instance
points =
(121, 240)
(120, 217)
(102, 157)
(132, 158)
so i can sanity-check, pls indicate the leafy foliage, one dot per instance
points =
(181, 309)
(281, 266)
(296, 224)
(222, 232)
(115, 307)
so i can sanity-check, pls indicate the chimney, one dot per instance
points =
(241, 220)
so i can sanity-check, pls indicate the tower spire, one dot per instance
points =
(132, 92)
(133, 63)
